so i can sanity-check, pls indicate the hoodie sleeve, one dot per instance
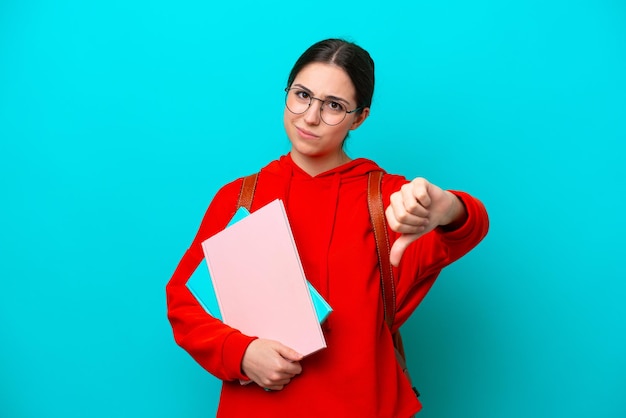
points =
(215, 346)
(424, 259)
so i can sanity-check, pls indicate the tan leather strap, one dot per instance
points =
(377, 216)
(247, 191)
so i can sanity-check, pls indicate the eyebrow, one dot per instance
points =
(334, 98)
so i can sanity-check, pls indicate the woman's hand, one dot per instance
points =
(418, 208)
(270, 364)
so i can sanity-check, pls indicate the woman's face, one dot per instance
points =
(316, 146)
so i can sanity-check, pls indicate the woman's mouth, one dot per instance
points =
(306, 134)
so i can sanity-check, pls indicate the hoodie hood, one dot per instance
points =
(286, 171)
(351, 169)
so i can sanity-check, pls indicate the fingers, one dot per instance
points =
(399, 246)
(416, 196)
(279, 377)
(292, 366)
(408, 212)
(277, 383)
(288, 353)
(405, 223)
(265, 362)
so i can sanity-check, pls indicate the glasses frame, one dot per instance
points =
(311, 98)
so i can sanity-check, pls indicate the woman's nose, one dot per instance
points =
(312, 115)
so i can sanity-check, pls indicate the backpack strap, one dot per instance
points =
(387, 284)
(377, 216)
(247, 191)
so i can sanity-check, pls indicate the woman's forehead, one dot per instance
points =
(324, 79)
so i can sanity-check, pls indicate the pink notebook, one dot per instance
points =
(259, 282)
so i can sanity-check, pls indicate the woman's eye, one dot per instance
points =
(334, 106)
(302, 94)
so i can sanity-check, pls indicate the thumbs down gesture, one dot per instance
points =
(418, 208)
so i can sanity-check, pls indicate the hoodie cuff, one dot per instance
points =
(234, 348)
(466, 229)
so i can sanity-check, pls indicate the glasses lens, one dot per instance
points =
(333, 113)
(297, 101)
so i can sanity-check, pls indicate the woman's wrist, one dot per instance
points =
(457, 214)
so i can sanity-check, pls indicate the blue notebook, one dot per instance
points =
(201, 286)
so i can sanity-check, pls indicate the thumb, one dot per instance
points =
(399, 246)
(288, 353)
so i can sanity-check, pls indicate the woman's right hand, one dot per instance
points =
(270, 364)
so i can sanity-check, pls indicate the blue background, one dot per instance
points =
(119, 121)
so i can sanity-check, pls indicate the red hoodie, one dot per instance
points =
(357, 374)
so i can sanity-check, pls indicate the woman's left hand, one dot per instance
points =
(418, 208)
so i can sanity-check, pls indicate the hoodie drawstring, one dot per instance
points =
(333, 202)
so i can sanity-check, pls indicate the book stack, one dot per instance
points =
(256, 283)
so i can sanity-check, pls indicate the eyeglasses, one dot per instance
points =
(332, 112)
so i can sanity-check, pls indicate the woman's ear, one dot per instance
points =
(360, 118)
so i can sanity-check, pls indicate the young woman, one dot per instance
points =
(328, 94)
